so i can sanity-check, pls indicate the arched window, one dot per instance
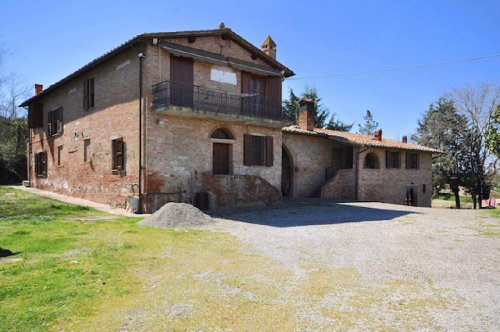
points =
(371, 161)
(222, 134)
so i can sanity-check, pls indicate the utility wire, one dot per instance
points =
(386, 70)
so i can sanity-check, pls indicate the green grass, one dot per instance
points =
(451, 198)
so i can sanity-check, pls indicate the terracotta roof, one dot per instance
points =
(163, 35)
(358, 139)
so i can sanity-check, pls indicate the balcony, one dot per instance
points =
(194, 100)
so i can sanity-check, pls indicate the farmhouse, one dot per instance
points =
(195, 116)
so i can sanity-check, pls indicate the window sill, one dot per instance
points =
(118, 172)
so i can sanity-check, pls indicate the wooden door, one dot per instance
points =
(220, 158)
(181, 81)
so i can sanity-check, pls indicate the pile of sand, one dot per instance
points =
(176, 215)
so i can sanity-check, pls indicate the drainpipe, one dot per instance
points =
(141, 58)
(356, 178)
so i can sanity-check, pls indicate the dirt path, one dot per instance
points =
(441, 265)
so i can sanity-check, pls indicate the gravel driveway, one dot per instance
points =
(404, 267)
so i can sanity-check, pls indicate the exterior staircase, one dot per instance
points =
(329, 174)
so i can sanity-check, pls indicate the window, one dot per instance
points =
(88, 94)
(371, 161)
(258, 150)
(55, 122)
(118, 154)
(41, 164)
(412, 161)
(221, 134)
(342, 157)
(59, 155)
(424, 188)
(392, 159)
(86, 153)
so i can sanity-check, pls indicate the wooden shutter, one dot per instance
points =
(91, 93)
(59, 121)
(49, 123)
(86, 94)
(246, 101)
(417, 157)
(387, 165)
(247, 149)
(274, 95)
(269, 151)
(44, 163)
(118, 154)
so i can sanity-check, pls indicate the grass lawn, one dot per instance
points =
(107, 275)
(451, 198)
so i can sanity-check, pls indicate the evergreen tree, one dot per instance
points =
(369, 126)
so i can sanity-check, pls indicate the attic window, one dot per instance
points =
(191, 39)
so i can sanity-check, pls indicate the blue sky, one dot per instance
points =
(47, 40)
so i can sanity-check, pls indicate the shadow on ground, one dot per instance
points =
(296, 213)
(7, 252)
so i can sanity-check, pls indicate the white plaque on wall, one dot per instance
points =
(223, 75)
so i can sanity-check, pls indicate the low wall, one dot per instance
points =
(234, 191)
(340, 186)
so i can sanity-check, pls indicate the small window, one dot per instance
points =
(412, 161)
(258, 150)
(221, 134)
(424, 188)
(371, 161)
(88, 94)
(59, 155)
(392, 159)
(118, 154)
(55, 122)
(86, 150)
(41, 164)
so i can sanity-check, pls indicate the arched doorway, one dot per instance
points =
(286, 173)
(221, 150)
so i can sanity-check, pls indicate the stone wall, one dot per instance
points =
(342, 185)
(390, 185)
(237, 191)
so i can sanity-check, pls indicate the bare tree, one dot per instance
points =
(478, 105)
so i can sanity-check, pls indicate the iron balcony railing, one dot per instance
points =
(198, 97)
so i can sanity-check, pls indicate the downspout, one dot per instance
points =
(141, 57)
(356, 178)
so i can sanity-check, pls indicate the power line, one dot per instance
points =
(386, 70)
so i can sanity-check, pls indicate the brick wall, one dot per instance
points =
(115, 115)
(179, 152)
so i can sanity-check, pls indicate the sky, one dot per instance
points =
(330, 45)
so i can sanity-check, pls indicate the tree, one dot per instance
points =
(370, 125)
(443, 128)
(13, 131)
(478, 105)
(336, 124)
(493, 134)
(291, 110)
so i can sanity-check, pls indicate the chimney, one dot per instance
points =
(269, 47)
(377, 136)
(306, 114)
(405, 139)
(38, 89)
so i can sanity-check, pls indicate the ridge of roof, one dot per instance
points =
(358, 139)
(141, 37)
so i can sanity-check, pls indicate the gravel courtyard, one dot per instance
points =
(382, 265)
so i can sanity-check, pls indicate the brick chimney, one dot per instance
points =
(38, 89)
(405, 139)
(306, 114)
(269, 47)
(377, 136)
